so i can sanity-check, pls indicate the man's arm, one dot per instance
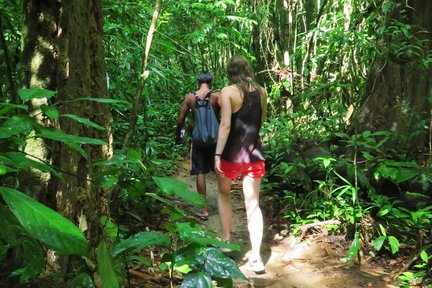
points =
(182, 117)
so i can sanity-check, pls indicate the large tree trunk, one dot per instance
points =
(398, 88)
(82, 74)
(64, 52)
(39, 70)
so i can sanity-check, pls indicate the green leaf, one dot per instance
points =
(382, 229)
(394, 244)
(35, 93)
(326, 162)
(378, 242)
(199, 236)
(217, 264)
(44, 224)
(107, 101)
(109, 227)
(6, 107)
(196, 279)
(84, 121)
(174, 187)
(368, 156)
(59, 135)
(109, 181)
(354, 248)
(82, 280)
(16, 125)
(50, 111)
(106, 267)
(424, 256)
(3, 169)
(21, 162)
(140, 241)
(404, 175)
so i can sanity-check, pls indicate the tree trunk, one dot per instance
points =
(81, 73)
(39, 70)
(398, 88)
(64, 52)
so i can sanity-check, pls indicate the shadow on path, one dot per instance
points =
(313, 262)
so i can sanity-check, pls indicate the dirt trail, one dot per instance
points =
(313, 262)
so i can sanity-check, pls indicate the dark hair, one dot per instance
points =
(240, 73)
(205, 77)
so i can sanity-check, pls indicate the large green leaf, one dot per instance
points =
(44, 224)
(106, 267)
(217, 264)
(58, 135)
(84, 121)
(177, 188)
(21, 161)
(196, 279)
(141, 241)
(35, 93)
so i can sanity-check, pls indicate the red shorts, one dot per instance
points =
(233, 170)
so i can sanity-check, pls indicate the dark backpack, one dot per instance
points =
(206, 126)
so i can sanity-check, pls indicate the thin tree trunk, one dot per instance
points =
(137, 101)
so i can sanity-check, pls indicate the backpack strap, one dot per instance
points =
(195, 95)
(205, 97)
(208, 94)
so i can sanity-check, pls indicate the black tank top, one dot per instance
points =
(243, 144)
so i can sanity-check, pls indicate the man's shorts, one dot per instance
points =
(233, 170)
(202, 159)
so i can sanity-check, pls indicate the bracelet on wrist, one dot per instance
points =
(217, 154)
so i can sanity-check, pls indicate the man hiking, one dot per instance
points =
(202, 155)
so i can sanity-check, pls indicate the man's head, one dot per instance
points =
(205, 77)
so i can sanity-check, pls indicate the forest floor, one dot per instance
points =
(293, 262)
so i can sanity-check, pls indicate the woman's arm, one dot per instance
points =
(225, 124)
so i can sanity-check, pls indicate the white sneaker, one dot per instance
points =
(256, 265)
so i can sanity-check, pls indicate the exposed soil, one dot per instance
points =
(312, 261)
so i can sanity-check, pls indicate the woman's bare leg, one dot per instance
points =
(251, 189)
(224, 206)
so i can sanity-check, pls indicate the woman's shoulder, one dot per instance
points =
(231, 90)
(262, 91)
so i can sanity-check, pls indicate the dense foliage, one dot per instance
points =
(316, 60)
